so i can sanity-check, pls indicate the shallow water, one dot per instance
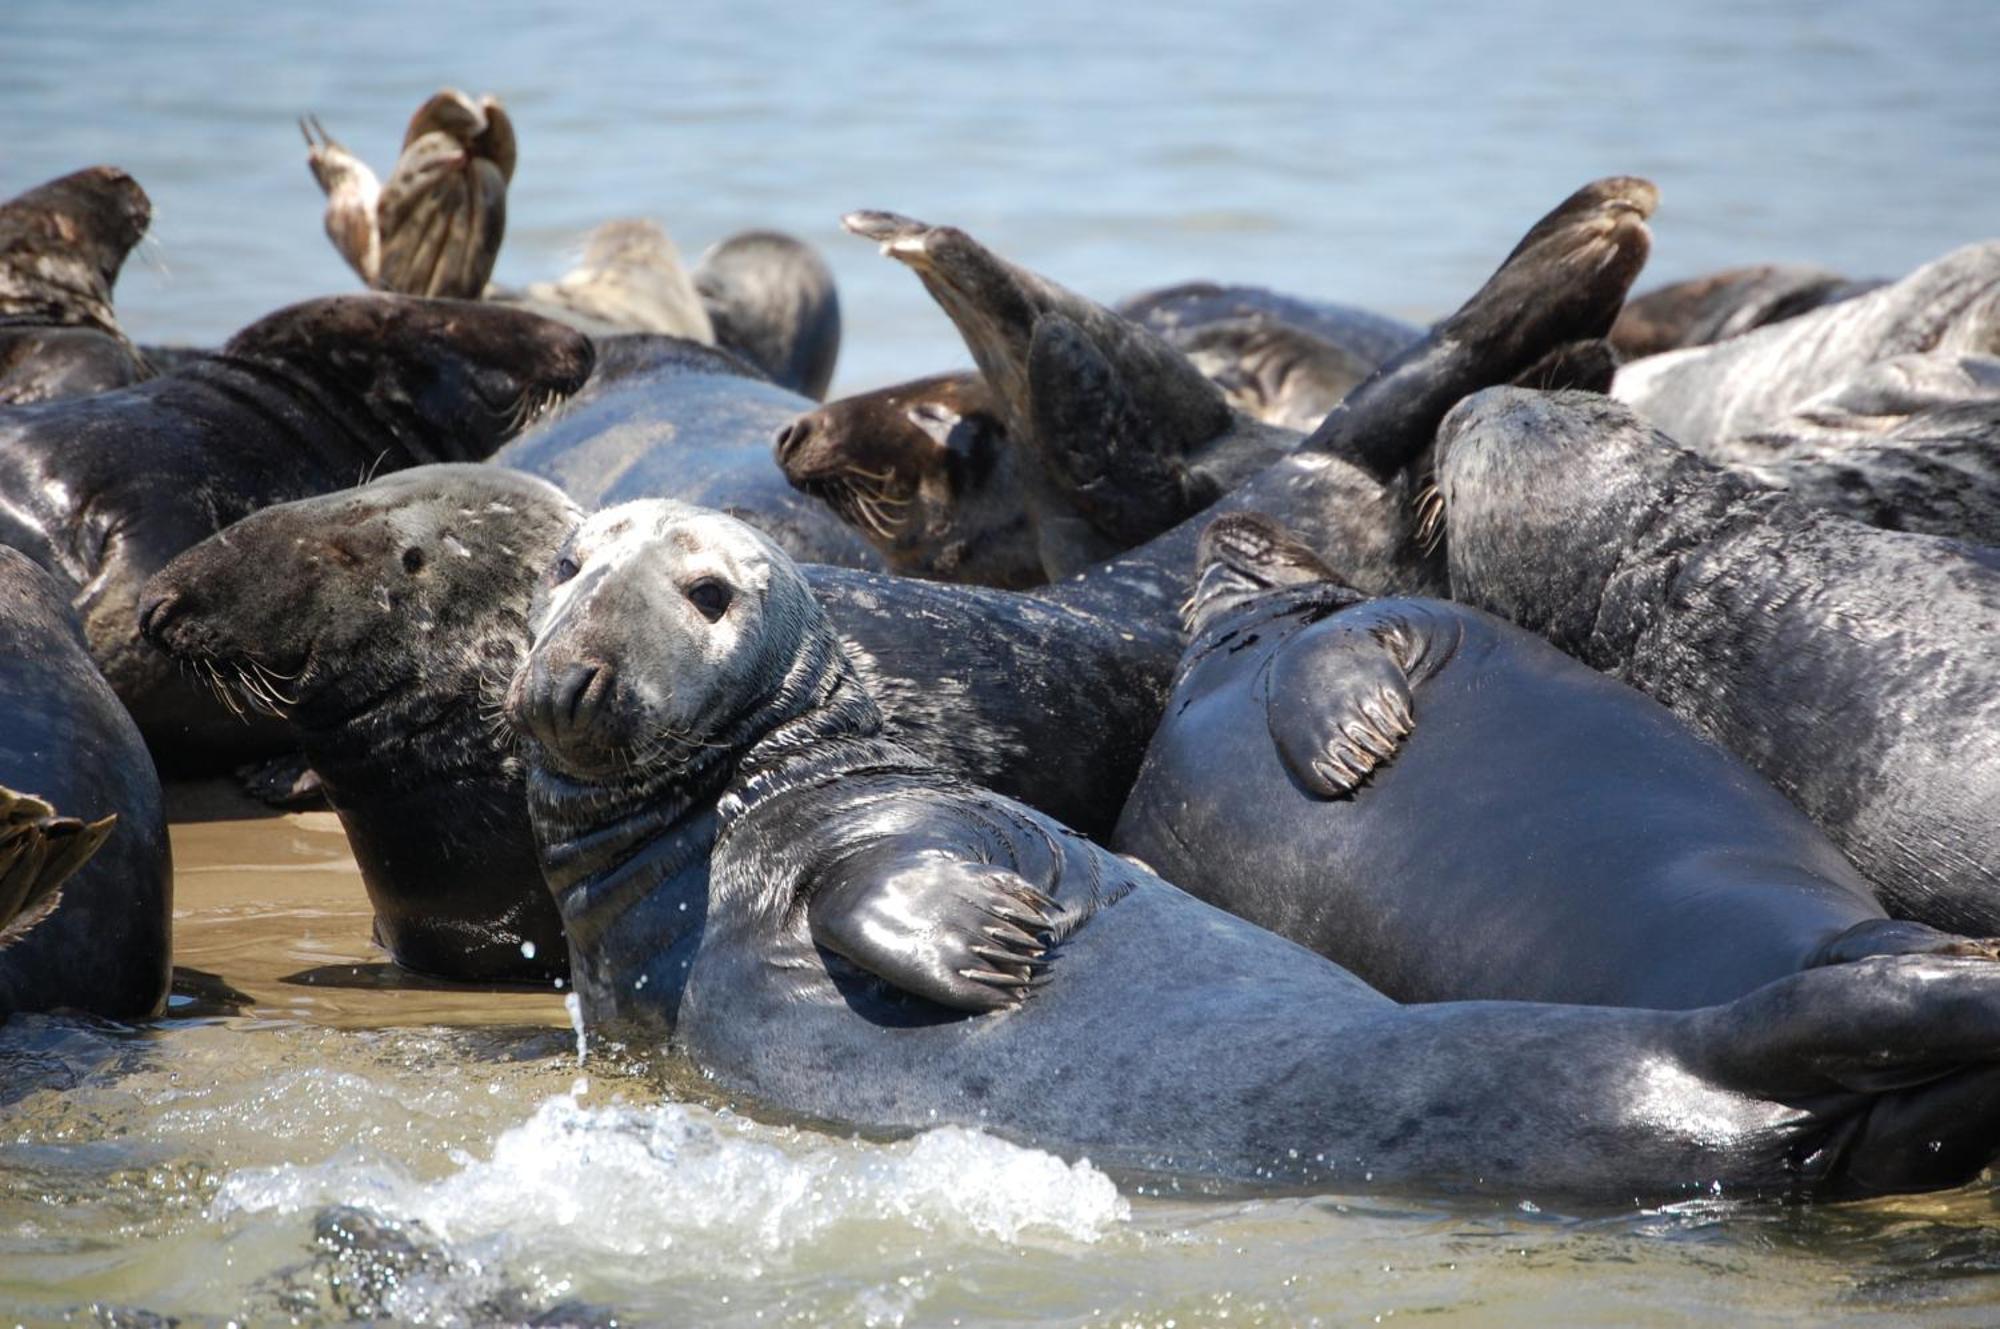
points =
(305, 1138)
(297, 1143)
(1382, 153)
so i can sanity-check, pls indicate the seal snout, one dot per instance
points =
(563, 704)
(158, 612)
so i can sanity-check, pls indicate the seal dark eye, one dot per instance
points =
(564, 569)
(413, 560)
(710, 596)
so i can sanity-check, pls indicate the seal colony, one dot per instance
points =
(1544, 789)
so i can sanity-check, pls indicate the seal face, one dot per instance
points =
(381, 625)
(669, 418)
(84, 858)
(925, 472)
(1852, 667)
(62, 245)
(103, 490)
(1454, 810)
(828, 925)
(1705, 396)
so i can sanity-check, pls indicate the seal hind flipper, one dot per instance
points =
(971, 936)
(1094, 438)
(1337, 698)
(39, 850)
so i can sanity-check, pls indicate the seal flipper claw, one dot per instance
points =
(1337, 700)
(934, 926)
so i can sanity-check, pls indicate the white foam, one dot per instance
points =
(627, 1181)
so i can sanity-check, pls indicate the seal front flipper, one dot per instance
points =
(39, 850)
(1096, 441)
(971, 936)
(1337, 698)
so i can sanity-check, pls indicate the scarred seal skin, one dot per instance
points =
(83, 830)
(833, 928)
(1853, 667)
(103, 490)
(62, 245)
(1708, 395)
(1453, 809)
(380, 625)
(664, 417)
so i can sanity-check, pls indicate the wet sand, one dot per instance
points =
(271, 921)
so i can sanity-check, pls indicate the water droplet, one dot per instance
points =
(527, 950)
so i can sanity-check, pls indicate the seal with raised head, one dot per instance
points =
(1455, 810)
(435, 227)
(1853, 667)
(664, 417)
(61, 247)
(1707, 395)
(770, 298)
(381, 624)
(103, 490)
(832, 927)
(1049, 698)
(1703, 310)
(84, 859)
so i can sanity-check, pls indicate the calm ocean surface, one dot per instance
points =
(1386, 155)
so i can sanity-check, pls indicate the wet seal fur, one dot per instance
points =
(1456, 811)
(1853, 667)
(381, 625)
(828, 925)
(62, 245)
(86, 857)
(103, 490)
(1707, 395)
(665, 417)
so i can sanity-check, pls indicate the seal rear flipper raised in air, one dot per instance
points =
(1564, 282)
(972, 936)
(39, 850)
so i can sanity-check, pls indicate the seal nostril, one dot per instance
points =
(792, 438)
(575, 698)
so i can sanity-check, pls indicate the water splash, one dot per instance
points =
(628, 1181)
